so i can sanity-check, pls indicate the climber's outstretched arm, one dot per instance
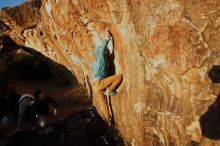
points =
(101, 49)
(104, 45)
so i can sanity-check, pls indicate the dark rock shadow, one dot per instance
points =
(8, 47)
(210, 121)
(39, 65)
(57, 70)
(110, 57)
(214, 74)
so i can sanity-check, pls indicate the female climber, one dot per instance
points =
(102, 83)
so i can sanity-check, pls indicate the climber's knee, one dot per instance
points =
(120, 77)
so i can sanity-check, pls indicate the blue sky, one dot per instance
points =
(10, 3)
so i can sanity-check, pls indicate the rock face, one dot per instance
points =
(164, 49)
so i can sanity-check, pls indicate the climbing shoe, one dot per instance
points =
(112, 93)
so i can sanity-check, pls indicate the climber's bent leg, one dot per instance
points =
(110, 82)
(117, 81)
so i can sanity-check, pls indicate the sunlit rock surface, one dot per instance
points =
(164, 49)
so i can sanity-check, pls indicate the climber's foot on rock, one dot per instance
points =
(112, 93)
